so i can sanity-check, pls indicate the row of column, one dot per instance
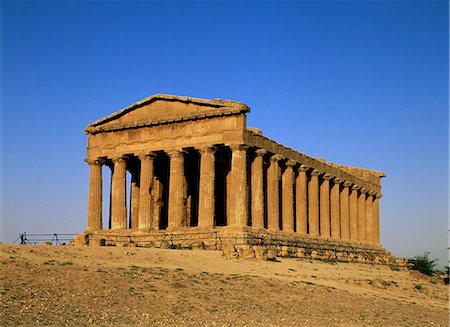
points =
(332, 208)
(323, 205)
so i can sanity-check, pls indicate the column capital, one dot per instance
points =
(237, 147)
(207, 150)
(371, 193)
(355, 187)
(378, 195)
(260, 152)
(118, 158)
(291, 163)
(149, 155)
(347, 184)
(276, 158)
(327, 177)
(315, 172)
(337, 180)
(303, 168)
(95, 161)
(175, 152)
(363, 190)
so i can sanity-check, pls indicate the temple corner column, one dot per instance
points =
(376, 218)
(369, 218)
(95, 195)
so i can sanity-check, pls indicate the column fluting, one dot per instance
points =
(177, 190)
(325, 206)
(335, 210)
(95, 195)
(376, 217)
(273, 204)
(239, 205)
(369, 219)
(345, 214)
(287, 198)
(258, 189)
(301, 201)
(118, 194)
(145, 198)
(353, 213)
(362, 234)
(313, 203)
(206, 188)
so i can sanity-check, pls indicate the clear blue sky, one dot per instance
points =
(362, 83)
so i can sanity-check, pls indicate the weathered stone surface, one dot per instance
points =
(201, 179)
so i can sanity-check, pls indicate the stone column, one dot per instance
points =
(257, 190)
(376, 217)
(273, 206)
(335, 210)
(118, 194)
(177, 190)
(325, 206)
(345, 215)
(301, 196)
(313, 203)
(145, 200)
(239, 187)
(353, 213)
(95, 195)
(134, 214)
(362, 235)
(287, 198)
(206, 188)
(369, 218)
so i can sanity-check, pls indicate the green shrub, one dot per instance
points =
(423, 264)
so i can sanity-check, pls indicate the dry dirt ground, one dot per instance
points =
(88, 286)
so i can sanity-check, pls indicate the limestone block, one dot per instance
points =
(228, 249)
(259, 252)
(81, 239)
(300, 253)
(97, 241)
(271, 254)
(245, 252)
(284, 251)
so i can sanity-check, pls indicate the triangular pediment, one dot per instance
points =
(162, 108)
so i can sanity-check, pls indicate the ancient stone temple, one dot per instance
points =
(199, 177)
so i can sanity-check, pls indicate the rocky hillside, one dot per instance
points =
(102, 286)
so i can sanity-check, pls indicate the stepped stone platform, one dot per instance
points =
(245, 243)
(189, 173)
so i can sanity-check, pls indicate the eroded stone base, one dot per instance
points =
(244, 243)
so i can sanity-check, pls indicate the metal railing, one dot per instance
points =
(34, 239)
